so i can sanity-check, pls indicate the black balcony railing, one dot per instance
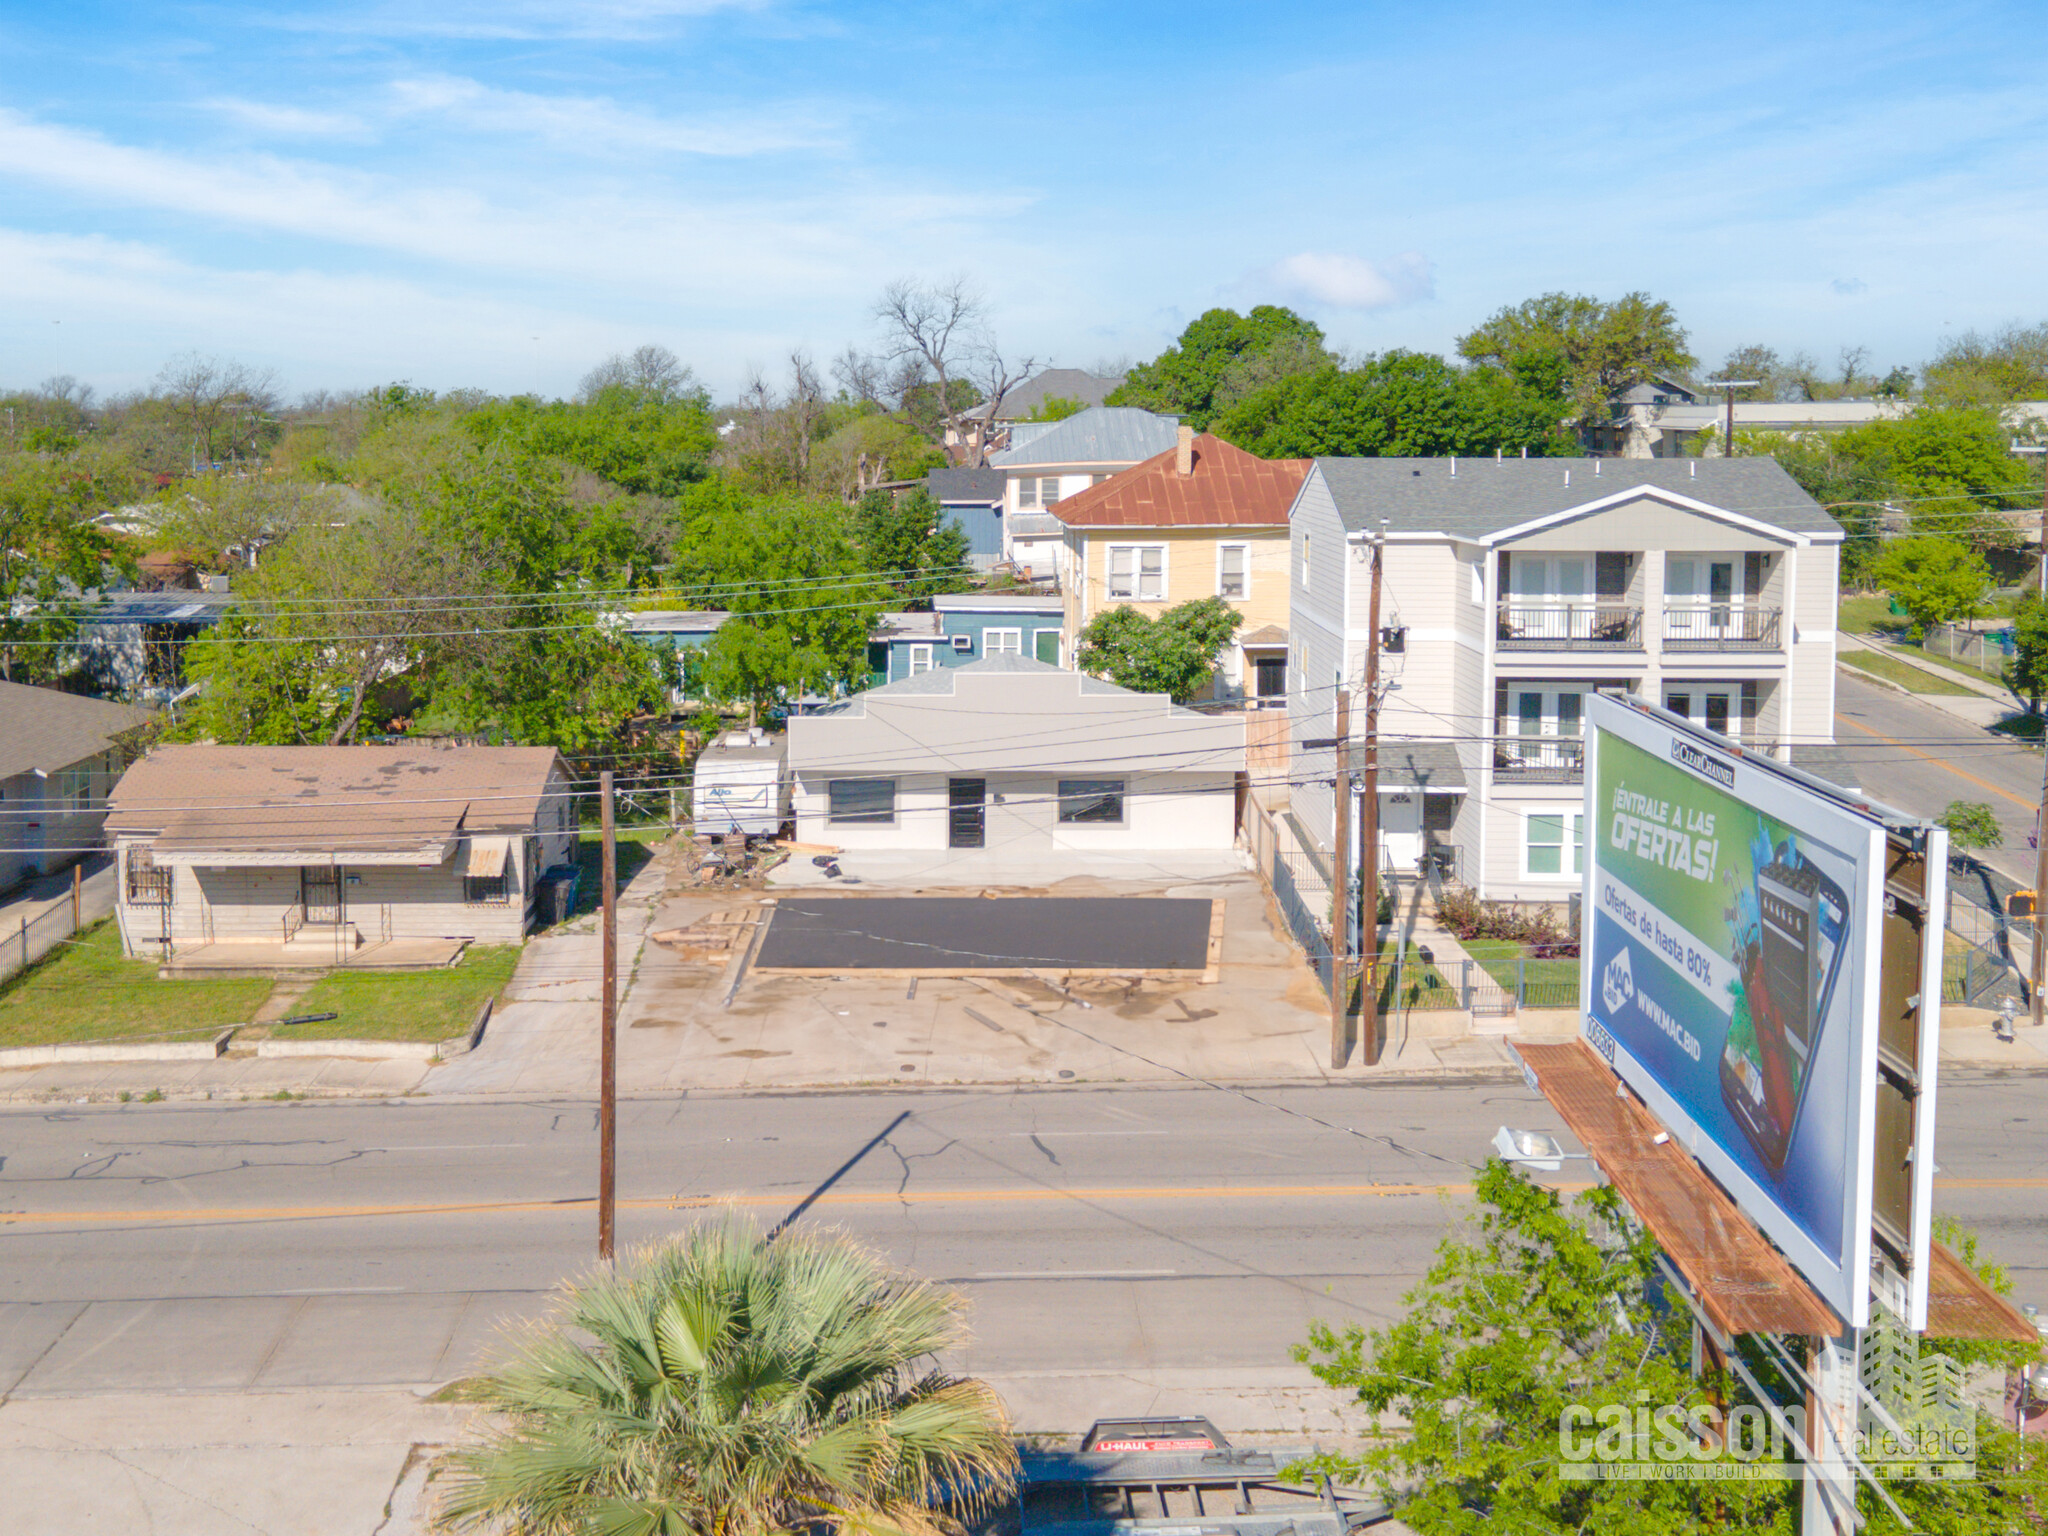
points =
(1721, 627)
(1539, 759)
(1570, 626)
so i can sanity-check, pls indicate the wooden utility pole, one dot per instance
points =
(1369, 825)
(77, 897)
(607, 1056)
(1340, 890)
(2039, 966)
(1731, 385)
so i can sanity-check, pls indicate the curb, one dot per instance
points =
(116, 1052)
(371, 1050)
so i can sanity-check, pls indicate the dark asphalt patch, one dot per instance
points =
(935, 933)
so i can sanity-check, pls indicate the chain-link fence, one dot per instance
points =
(32, 930)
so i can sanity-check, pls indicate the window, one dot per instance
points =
(148, 886)
(1047, 645)
(1304, 559)
(1553, 844)
(1003, 642)
(1092, 800)
(920, 659)
(1036, 492)
(1049, 491)
(1138, 571)
(861, 800)
(1233, 571)
(487, 890)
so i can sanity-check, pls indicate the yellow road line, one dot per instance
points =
(704, 1202)
(1961, 773)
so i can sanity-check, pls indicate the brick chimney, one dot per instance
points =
(1184, 452)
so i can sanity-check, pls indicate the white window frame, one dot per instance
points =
(1244, 571)
(993, 642)
(921, 659)
(1059, 491)
(861, 819)
(1137, 593)
(1304, 560)
(1027, 493)
(1571, 845)
(1074, 793)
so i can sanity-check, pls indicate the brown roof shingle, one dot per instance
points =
(1228, 489)
(340, 799)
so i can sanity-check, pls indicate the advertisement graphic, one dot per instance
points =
(1730, 915)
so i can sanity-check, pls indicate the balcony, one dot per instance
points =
(1570, 626)
(1721, 627)
(1539, 759)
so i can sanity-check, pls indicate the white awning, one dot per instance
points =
(487, 857)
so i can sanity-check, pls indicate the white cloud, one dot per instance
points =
(511, 19)
(1352, 282)
(1849, 287)
(290, 122)
(588, 123)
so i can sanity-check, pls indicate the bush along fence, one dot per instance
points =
(27, 939)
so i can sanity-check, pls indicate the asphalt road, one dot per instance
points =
(1103, 1229)
(1918, 758)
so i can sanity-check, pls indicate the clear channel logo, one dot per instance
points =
(1618, 982)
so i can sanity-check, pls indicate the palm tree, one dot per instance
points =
(737, 1387)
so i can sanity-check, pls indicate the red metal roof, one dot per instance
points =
(1228, 489)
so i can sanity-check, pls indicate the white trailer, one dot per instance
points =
(741, 785)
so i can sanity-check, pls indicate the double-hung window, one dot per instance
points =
(1553, 845)
(1233, 572)
(1099, 801)
(870, 801)
(487, 890)
(1138, 572)
(1003, 642)
(920, 659)
(1034, 491)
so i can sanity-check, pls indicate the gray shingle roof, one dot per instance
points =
(1430, 765)
(1485, 497)
(972, 485)
(1063, 383)
(49, 729)
(1108, 434)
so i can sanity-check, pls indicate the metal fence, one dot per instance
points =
(27, 937)
(1413, 983)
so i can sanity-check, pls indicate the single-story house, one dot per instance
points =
(335, 850)
(59, 755)
(964, 627)
(1011, 754)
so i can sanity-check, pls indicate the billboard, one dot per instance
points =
(1732, 930)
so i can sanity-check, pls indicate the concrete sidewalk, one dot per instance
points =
(1984, 705)
(342, 1462)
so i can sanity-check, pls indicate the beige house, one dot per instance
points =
(1203, 519)
(234, 857)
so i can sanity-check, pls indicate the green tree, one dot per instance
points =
(2027, 673)
(1971, 824)
(1756, 362)
(1174, 654)
(1953, 470)
(796, 585)
(50, 550)
(1395, 404)
(1979, 371)
(736, 1386)
(1056, 408)
(1187, 377)
(636, 439)
(910, 542)
(1606, 348)
(1936, 580)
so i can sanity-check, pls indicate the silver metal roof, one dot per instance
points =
(1106, 435)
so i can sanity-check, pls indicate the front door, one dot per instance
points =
(320, 893)
(1713, 708)
(966, 813)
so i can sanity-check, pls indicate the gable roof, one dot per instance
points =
(48, 729)
(406, 799)
(1055, 383)
(1484, 497)
(1106, 435)
(970, 485)
(1228, 489)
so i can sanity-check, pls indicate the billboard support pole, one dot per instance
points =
(1369, 842)
(1340, 889)
(1827, 1499)
(2039, 961)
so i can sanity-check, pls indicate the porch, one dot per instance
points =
(309, 950)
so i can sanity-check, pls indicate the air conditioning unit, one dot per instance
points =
(963, 643)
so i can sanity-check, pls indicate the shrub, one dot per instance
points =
(1549, 935)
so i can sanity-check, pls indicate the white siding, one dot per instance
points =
(1182, 811)
(1315, 629)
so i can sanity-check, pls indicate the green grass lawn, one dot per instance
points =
(1422, 985)
(1868, 614)
(2026, 728)
(1912, 678)
(404, 1005)
(88, 990)
(1919, 657)
(1549, 983)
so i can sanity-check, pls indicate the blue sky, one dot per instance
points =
(500, 192)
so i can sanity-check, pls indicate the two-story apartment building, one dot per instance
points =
(1203, 519)
(1062, 461)
(1510, 590)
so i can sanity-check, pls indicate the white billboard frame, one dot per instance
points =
(1854, 828)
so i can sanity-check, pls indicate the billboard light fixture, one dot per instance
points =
(1531, 1149)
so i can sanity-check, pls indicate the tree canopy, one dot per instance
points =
(1980, 370)
(1591, 349)
(1395, 404)
(1936, 580)
(1174, 654)
(1187, 379)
